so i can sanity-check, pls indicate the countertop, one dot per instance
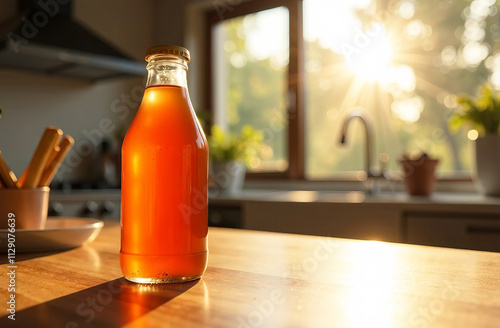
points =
(305, 196)
(275, 195)
(323, 196)
(262, 279)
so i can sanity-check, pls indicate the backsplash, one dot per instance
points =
(89, 112)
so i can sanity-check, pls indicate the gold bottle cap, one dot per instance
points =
(168, 50)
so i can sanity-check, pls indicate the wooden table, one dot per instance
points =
(261, 279)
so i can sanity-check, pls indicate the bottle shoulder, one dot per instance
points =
(166, 113)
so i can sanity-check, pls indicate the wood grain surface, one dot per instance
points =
(262, 279)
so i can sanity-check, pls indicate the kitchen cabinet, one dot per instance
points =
(99, 204)
(227, 216)
(458, 230)
(467, 221)
(359, 221)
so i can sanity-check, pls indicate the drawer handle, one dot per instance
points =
(483, 229)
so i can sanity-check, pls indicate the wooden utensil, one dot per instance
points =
(22, 178)
(52, 167)
(8, 177)
(52, 155)
(48, 142)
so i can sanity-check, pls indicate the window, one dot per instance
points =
(402, 61)
(250, 64)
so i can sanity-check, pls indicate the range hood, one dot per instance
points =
(46, 39)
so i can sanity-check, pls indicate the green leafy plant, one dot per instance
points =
(226, 146)
(482, 113)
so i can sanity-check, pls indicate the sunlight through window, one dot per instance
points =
(405, 64)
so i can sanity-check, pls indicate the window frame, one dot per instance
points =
(295, 90)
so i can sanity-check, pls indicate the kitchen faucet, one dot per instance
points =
(371, 174)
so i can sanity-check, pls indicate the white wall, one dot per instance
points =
(128, 25)
(31, 102)
(169, 18)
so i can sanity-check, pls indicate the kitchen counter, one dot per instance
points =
(262, 279)
(85, 194)
(352, 197)
(321, 196)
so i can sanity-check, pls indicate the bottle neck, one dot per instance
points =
(167, 70)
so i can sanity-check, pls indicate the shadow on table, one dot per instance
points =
(4, 259)
(112, 304)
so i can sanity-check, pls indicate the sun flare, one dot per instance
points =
(373, 62)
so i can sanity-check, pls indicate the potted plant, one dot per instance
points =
(230, 154)
(483, 115)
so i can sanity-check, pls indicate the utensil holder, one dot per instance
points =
(29, 207)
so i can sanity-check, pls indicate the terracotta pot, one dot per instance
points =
(419, 176)
(487, 156)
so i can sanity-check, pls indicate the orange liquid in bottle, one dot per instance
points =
(164, 190)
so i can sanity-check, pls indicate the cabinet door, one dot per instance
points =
(225, 216)
(358, 221)
(479, 233)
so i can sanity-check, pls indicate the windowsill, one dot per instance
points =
(447, 186)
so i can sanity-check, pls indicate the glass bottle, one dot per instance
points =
(164, 215)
